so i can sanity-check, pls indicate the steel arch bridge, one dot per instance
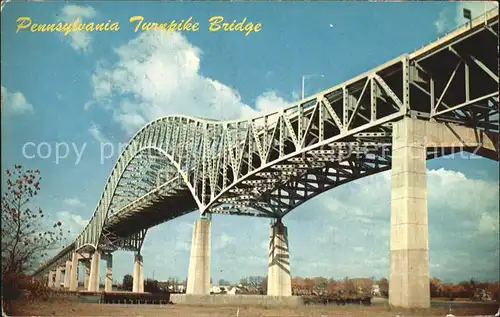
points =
(268, 165)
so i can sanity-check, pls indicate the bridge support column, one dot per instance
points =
(73, 276)
(279, 281)
(67, 275)
(52, 274)
(409, 259)
(86, 276)
(199, 263)
(108, 283)
(57, 283)
(95, 272)
(138, 277)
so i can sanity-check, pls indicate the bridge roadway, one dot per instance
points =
(440, 99)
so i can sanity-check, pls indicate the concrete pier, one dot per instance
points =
(279, 281)
(108, 282)
(138, 276)
(67, 275)
(86, 276)
(52, 274)
(198, 282)
(95, 269)
(73, 277)
(409, 243)
(58, 279)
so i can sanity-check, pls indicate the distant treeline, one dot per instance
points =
(471, 289)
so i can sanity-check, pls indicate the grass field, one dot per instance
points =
(68, 307)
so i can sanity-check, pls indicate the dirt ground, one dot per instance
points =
(64, 307)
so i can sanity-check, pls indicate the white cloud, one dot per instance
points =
(87, 105)
(222, 240)
(79, 41)
(327, 235)
(463, 216)
(182, 246)
(71, 222)
(270, 101)
(448, 189)
(458, 194)
(442, 23)
(97, 134)
(451, 19)
(15, 102)
(488, 223)
(73, 202)
(296, 95)
(183, 233)
(159, 74)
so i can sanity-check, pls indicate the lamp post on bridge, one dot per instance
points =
(304, 77)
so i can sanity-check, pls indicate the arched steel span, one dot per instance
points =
(267, 165)
(244, 161)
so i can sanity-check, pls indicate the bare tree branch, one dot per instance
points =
(25, 239)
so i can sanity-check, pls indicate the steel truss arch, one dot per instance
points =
(93, 230)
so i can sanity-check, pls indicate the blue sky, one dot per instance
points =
(88, 88)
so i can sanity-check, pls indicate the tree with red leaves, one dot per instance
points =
(25, 238)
